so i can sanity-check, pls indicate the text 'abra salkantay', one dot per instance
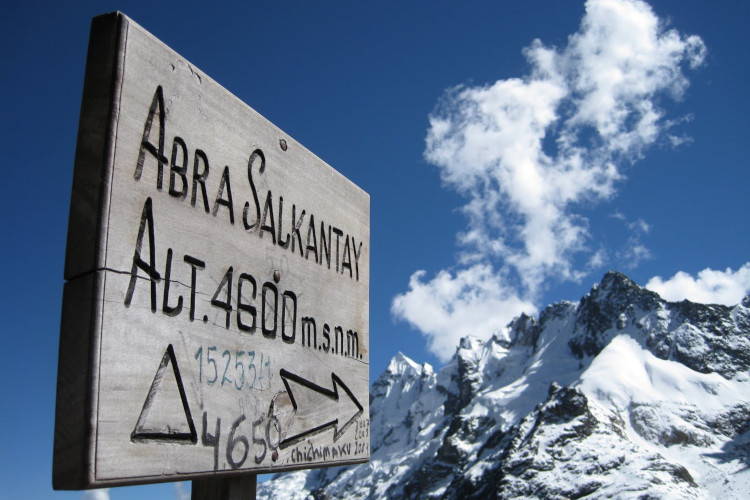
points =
(324, 244)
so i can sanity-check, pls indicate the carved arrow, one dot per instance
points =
(317, 408)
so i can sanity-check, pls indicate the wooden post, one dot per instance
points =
(240, 488)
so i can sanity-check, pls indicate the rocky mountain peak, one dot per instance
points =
(610, 303)
(524, 331)
(622, 394)
(403, 366)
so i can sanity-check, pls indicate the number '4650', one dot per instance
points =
(265, 434)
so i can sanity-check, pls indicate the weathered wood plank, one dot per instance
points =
(225, 324)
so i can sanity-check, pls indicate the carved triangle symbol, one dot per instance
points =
(157, 419)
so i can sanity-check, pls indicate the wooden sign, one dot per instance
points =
(216, 305)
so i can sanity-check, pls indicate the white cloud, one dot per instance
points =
(100, 494)
(450, 306)
(181, 492)
(527, 152)
(710, 287)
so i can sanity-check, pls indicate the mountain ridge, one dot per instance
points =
(620, 394)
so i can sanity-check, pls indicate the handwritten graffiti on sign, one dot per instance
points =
(217, 284)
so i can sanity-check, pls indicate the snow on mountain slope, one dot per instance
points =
(686, 416)
(619, 395)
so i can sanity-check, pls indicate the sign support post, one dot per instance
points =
(241, 488)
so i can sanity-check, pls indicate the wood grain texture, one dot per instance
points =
(216, 317)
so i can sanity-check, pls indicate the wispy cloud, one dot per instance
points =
(710, 287)
(101, 494)
(634, 251)
(181, 492)
(528, 152)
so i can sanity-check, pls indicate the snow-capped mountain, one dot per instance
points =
(620, 395)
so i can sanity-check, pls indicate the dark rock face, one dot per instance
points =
(704, 337)
(719, 340)
(615, 299)
(495, 422)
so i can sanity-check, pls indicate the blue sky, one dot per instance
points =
(507, 173)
